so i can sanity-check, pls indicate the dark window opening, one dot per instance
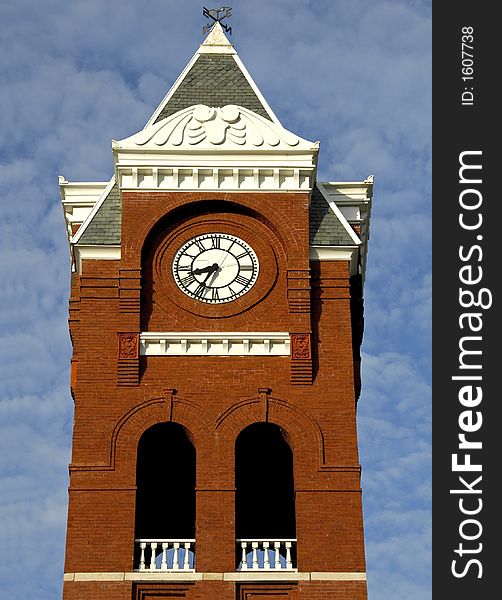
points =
(165, 479)
(265, 503)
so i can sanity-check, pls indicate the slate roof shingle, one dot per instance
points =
(325, 228)
(214, 80)
(106, 226)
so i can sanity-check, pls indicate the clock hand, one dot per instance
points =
(211, 269)
(208, 269)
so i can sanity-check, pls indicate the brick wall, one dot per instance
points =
(213, 398)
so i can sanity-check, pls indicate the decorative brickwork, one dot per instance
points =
(128, 345)
(300, 346)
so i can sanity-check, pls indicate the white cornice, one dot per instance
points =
(179, 576)
(215, 343)
(353, 199)
(96, 252)
(78, 199)
(336, 253)
(211, 148)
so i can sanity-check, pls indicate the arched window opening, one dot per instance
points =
(165, 500)
(265, 501)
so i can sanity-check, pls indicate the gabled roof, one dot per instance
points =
(215, 76)
(105, 226)
(325, 226)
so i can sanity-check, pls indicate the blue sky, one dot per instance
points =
(354, 74)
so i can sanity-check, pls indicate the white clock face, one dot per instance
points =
(215, 268)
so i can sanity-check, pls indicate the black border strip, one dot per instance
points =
(465, 247)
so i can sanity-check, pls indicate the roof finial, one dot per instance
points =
(217, 15)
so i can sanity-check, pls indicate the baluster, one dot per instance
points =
(163, 564)
(244, 558)
(289, 564)
(277, 557)
(153, 546)
(266, 561)
(186, 562)
(255, 566)
(176, 564)
(142, 545)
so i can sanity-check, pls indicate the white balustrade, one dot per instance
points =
(166, 555)
(267, 555)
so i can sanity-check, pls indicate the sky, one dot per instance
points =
(353, 74)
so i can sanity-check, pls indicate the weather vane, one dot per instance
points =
(217, 15)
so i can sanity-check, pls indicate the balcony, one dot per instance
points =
(172, 556)
(267, 555)
(178, 556)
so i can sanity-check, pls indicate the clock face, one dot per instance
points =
(215, 268)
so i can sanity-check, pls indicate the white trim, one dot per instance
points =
(228, 177)
(214, 343)
(79, 188)
(256, 89)
(173, 88)
(355, 238)
(209, 128)
(338, 253)
(266, 576)
(238, 576)
(78, 199)
(94, 210)
(216, 42)
(95, 253)
(334, 576)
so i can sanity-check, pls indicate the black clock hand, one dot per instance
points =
(210, 269)
(202, 285)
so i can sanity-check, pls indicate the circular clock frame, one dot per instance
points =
(257, 235)
(215, 268)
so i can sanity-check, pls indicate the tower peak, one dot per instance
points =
(216, 42)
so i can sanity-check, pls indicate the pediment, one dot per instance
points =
(202, 127)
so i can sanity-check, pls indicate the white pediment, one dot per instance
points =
(224, 128)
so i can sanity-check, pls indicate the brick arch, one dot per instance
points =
(177, 207)
(132, 425)
(184, 211)
(302, 433)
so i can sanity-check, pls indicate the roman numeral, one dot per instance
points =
(242, 280)
(185, 268)
(215, 294)
(200, 245)
(186, 281)
(215, 242)
(200, 290)
(246, 267)
(246, 253)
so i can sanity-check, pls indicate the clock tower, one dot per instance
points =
(216, 317)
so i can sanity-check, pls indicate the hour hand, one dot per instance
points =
(203, 270)
(209, 269)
